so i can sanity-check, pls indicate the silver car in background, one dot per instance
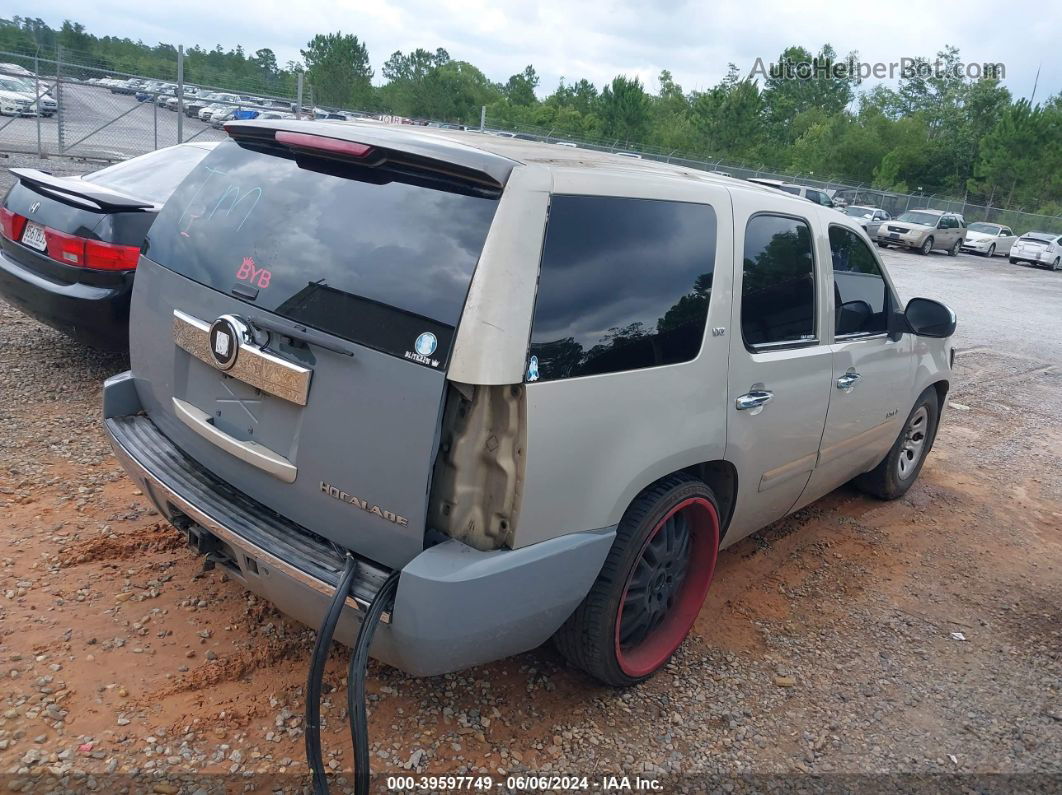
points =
(870, 218)
(988, 240)
(924, 231)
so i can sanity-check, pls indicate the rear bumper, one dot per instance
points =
(94, 314)
(1034, 258)
(455, 607)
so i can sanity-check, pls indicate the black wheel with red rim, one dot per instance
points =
(651, 587)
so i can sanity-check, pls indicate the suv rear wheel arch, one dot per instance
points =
(722, 478)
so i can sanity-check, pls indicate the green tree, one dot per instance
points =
(1020, 157)
(805, 82)
(625, 110)
(520, 88)
(728, 118)
(337, 66)
(72, 36)
(455, 92)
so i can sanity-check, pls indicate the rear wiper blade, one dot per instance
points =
(297, 331)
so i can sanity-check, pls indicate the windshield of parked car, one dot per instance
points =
(153, 176)
(10, 84)
(987, 229)
(859, 212)
(925, 219)
(26, 84)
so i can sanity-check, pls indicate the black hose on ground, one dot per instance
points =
(359, 662)
(313, 683)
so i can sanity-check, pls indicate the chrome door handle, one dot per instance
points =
(754, 401)
(847, 382)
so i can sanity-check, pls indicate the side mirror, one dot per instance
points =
(928, 318)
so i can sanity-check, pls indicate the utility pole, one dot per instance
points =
(482, 117)
(298, 97)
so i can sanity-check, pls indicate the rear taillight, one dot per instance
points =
(92, 254)
(11, 224)
(110, 257)
(64, 248)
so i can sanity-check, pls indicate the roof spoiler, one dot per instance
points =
(79, 190)
(381, 148)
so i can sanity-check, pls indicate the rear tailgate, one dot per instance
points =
(336, 287)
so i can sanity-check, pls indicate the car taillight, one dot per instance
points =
(92, 254)
(64, 248)
(110, 256)
(11, 224)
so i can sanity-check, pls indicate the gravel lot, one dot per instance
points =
(893, 641)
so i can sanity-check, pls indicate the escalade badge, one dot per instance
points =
(365, 505)
(226, 334)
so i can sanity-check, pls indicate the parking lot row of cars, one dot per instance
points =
(213, 107)
(926, 230)
(23, 94)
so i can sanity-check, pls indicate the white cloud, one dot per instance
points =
(602, 38)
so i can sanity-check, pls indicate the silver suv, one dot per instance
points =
(923, 231)
(546, 385)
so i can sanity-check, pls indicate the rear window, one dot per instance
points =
(152, 177)
(348, 250)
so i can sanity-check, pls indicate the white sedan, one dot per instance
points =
(988, 239)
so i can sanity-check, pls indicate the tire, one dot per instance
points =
(926, 247)
(1056, 264)
(882, 245)
(1013, 261)
(991, 251)
(891, 478)
(673, 524)
(954, 250)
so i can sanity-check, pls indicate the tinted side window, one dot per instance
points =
(860, 294)
(624, 284)
(778, 287)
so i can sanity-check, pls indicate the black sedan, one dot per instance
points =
(69, 246)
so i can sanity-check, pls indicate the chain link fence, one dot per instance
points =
(69, 105)
(75, 108)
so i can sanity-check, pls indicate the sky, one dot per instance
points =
(598, 39)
